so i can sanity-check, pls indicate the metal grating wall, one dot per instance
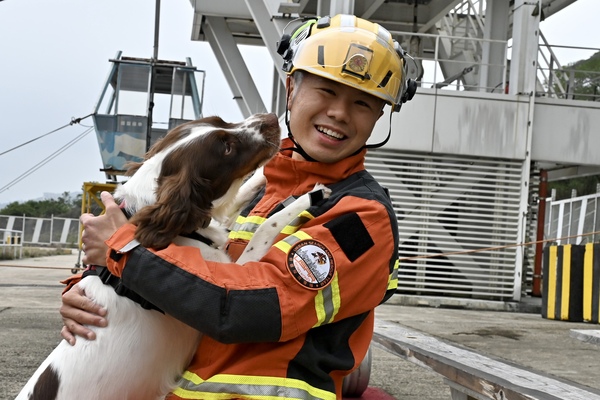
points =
(455, 214)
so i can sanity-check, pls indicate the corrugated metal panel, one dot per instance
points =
(458, 222)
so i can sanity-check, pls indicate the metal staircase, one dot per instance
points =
(460, 52)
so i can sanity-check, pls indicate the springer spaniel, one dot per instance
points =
(187, 183)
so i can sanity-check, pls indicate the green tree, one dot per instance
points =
(582, 78)
(583, 185)
(64, 206)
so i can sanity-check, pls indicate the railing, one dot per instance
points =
(442, 68)
(12, 241)
(42, 231)
(465, 21)
(453, 60)
(573, 221)
(566, 82)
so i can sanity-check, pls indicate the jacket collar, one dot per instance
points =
(300, 176)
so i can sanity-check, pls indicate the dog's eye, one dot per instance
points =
(228, 148)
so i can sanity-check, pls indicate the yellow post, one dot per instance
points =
(588, 281)
(551, 295)
(91, 194)
(566, 283)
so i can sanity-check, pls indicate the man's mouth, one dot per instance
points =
(330, 133)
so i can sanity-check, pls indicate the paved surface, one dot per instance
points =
(30, 325)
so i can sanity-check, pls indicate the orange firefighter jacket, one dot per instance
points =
(294, 323)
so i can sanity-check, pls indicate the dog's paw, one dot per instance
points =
(318, 193)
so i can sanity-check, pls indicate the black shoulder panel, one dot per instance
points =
(351, 234)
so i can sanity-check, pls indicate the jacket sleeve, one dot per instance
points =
(336, 266)
(71, 281)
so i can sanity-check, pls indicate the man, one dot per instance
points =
(271, 329)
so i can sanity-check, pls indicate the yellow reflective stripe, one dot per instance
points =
(192, 377)
(240, 235)
(245, 227)
(191, 386)
(327, 302)
(393, 278)
(286, 244)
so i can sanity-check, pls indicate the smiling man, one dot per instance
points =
(296, 322)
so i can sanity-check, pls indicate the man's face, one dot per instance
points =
(330, 120)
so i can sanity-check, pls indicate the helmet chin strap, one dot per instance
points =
(297, 148)
(375, 146)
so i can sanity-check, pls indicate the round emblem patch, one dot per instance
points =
(311, 263)
(357, 63)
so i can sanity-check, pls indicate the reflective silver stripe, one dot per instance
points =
(129, 246)
(245, 227)
(327, 302)
(294, 389)
(291, 240)
(299, 221)
(288, 201)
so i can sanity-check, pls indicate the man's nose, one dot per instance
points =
(339, 109)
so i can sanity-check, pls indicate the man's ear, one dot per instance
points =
(381, 112)
(289, 89)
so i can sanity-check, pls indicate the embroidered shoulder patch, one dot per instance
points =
(311, 263)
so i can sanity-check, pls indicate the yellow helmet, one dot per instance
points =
(352, 51)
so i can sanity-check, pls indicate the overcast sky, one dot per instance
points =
(54, 61)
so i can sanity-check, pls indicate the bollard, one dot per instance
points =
(562, 297)
(591, 283)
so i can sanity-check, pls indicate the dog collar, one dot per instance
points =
(196, 236)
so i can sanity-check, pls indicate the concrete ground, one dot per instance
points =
(30, 325)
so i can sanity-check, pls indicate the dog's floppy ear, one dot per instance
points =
(183, 205)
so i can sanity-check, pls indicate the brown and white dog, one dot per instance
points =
(188, 182)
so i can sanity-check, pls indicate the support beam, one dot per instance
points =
(372, 8)
(523, 65)
(234, 68)
(270, 29)
(341, 7)
(491, 75)
(278, 99)
(298, 6)
(575, 171)
(438, 11)
(323, 7)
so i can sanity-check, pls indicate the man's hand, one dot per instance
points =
(96, 230)
(77, 310)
